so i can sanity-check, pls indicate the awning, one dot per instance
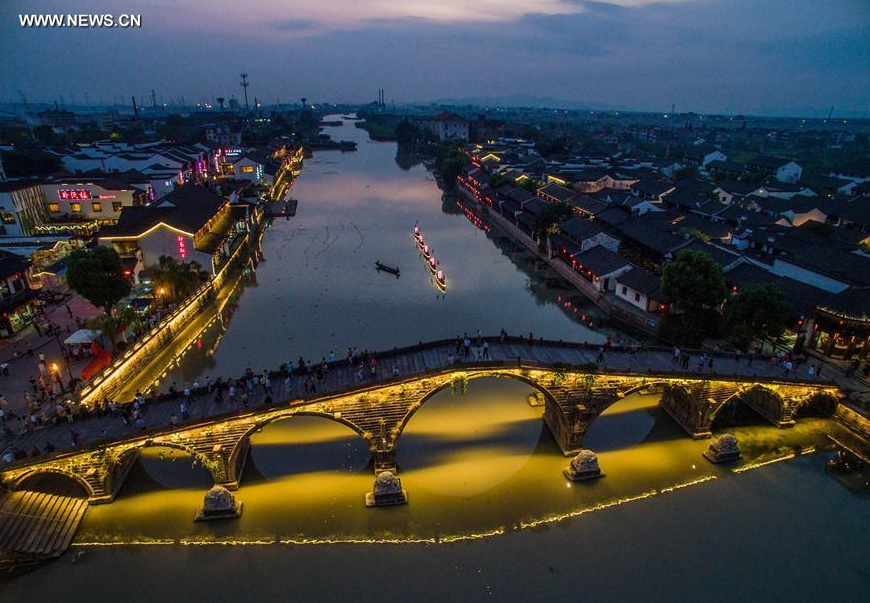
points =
(83, 336)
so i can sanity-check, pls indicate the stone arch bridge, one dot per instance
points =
(574, 391)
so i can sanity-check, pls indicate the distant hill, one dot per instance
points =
(526, 100)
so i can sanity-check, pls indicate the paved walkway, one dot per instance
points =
(407, 362)
(25, 366)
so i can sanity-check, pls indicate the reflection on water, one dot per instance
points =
(317, 289)
(478, 464)
(471, 464)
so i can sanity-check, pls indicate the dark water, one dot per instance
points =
(664, 524)
(318, 291)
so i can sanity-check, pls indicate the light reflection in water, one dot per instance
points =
(477, 464)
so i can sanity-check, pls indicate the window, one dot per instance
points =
(247, 169)
(54, 208)
(637, 297)
(117, 205)
(624, 290)
(98, 207)
(17, 284)
(75, 207)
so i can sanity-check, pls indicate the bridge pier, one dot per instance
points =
(227, 465)
(692, 410)
(771, 405)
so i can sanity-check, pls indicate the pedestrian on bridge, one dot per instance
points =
(486, 349)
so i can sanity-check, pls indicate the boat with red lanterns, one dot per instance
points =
(441, 280)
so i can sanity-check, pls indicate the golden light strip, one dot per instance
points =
(752, 466)
(448, 539)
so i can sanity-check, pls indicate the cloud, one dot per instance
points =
(706, 55)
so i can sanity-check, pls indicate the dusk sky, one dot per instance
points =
(749, 56)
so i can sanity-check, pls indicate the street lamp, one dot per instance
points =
(63, 353)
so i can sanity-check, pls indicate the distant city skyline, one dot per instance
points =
(778, 57)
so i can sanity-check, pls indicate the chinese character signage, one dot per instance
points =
(76, 194)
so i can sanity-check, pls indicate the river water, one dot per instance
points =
(489, 513)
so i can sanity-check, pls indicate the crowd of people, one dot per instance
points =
(46, 407)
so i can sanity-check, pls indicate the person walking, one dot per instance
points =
(486, 349)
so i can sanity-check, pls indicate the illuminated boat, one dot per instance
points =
(418, 236)
(426, 252)
(433, 265)
(441, 280)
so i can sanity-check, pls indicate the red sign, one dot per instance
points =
(75, 194)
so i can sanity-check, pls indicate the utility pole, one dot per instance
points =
(245, 85)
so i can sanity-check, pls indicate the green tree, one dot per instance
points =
(406, 132)
(44, 134)
(757, 311)
(693, 281)
(686, 173)
(555, 213)
(177, 279)
(449, 164)
(24, 164)
(97, 275)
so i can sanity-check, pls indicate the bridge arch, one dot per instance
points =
(468, 375)
(37, 471)
(240, 448)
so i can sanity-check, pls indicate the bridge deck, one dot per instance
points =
(416, 361)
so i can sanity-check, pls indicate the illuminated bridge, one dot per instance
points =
(564, 378)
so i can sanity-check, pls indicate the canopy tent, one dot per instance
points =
(83, 337)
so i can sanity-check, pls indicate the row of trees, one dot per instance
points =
(696, 287)
(98, 276)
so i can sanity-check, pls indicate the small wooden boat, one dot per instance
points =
(427, 253)
(384, 268)
(441, 280)
(433, 265)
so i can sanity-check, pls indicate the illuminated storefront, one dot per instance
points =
(842, 325)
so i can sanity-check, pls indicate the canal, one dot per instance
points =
(489, 513)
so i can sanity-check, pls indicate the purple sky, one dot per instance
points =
(751, 56)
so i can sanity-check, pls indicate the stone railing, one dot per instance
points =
(110, 380)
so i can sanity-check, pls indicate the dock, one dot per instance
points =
(289, 209)
(35, 526)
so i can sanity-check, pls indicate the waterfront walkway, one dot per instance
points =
(164, 413)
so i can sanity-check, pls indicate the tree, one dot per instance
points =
(97, 275)
(553, 215)
(406, 132)
(26, 164)
(44, 134)
(177, 279)
(693, 281)
(688, 172)
(449, 164)
(553, 148)
(757, 311)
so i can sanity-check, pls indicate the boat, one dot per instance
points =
(418, 236)
(385, 268)
(441, 280)
(427, 253)
(433, 265)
